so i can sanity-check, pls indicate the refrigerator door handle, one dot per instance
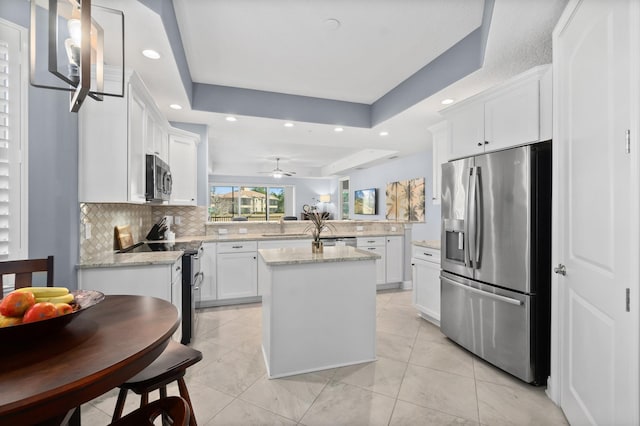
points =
(477, 212)
(484, 293)
(471, 217)
(467, 217)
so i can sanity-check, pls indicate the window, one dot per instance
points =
(253, 202)
(13, 146)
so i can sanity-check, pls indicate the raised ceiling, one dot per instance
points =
(247, 57)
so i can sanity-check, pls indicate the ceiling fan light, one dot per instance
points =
(277, 175)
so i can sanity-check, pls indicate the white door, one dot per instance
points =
(595, 83)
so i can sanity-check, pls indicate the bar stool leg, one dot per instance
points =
(163, 394)
(117, 412)
(144, 399)
(182, 386)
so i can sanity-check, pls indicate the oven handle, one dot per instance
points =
(197, 279)
(484, 293)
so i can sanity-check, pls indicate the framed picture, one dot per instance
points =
(365, 201)
(405, 200)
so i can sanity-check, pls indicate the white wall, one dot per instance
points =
(413, 166)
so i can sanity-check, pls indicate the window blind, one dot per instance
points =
(13, 134)
(5, 145)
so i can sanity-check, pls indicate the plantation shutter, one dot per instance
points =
(12, 197)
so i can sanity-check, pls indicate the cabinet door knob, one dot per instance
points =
(486, 142)
(479, 143)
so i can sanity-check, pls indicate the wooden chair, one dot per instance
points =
(173, 407)
(24, 269)
(170, 366)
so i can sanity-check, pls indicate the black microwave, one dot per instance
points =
(157, 179)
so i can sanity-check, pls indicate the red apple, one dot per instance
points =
(16, 303)
(40, 311)
(63, 308)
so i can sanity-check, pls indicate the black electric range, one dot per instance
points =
(192, 277)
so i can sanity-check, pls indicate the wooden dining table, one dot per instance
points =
(43, 380)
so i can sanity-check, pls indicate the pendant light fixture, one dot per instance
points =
(73, 45)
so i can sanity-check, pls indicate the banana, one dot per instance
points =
(9, 321)
(67, 298)
(40, 292)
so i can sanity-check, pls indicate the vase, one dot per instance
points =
(316, 246)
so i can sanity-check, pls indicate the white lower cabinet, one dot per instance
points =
(208, 287)
(426, 282)
(394, 256)
(163, 281)
(237, 270)
(376, 245)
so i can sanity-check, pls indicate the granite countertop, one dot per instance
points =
(299, 255)
(284, 236)
(114, 260)
(109, 260)
(434, 244)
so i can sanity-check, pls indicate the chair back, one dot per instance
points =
(173, 407)
(24, 270)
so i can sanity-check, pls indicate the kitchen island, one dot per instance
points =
(318, 309)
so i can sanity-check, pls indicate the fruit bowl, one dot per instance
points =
(83, 300)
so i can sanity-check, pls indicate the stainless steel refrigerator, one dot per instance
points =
(496, 258)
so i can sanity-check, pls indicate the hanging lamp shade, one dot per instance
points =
(78, 47)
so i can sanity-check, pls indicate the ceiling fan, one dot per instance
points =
(278, 172)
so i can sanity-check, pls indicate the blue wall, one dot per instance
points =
(414, 166)
(53, 170)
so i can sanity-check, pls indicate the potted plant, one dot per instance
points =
(319, 222)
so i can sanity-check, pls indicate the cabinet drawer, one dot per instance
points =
(237, 246)
(426, 253)
(370, 241)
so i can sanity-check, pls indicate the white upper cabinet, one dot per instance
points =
(441, 142)
(467, 130)
(517, 112)
(114, 137)
(136, 143)
(183, 162)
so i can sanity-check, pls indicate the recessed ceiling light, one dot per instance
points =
(151, 54)
(175, 106)
(338, 129)
(288, 124)
(230, 118)
(384, 133)
(447, 101)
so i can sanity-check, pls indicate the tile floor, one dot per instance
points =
(420, 378)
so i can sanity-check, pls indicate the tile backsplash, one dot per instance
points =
(104, 217)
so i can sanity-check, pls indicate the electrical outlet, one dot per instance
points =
(222, 231)
(177, 220)
(87, 231)
(393, 229)
(242, 230)
(359, 228)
